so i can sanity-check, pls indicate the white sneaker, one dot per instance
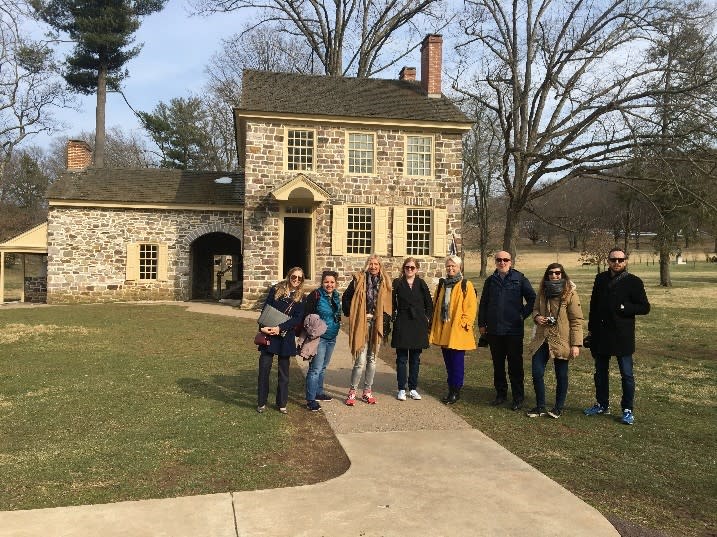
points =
(401, 396)
(414, 395)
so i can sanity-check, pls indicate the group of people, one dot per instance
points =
(375, 306)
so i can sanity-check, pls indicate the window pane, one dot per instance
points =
(418, 231)
(300, 150)
(360, 153)
(418, 155)
(359, 230)
(148, 261)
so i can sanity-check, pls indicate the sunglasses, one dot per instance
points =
(617, 259)
(556, 272)
(502, 260)
(409, 267)
(295, 277)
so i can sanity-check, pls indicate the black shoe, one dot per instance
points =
(536, 412)
(324, 397)
(555, 413)
(446, 399)
(314, 406)
(497, 401)
(454, 396)
(517, 405)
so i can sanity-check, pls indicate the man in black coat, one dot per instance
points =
(616, 298)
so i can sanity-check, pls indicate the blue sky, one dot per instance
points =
(177, 48)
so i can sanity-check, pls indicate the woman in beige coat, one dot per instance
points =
(559, 335)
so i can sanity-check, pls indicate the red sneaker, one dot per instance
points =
(351, 398)
(368, 397)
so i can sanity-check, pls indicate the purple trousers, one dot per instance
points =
(455, 366)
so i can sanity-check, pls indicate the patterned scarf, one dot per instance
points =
(371, 291)
(448, 284)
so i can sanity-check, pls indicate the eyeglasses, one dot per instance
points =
(502, 260)
(617, 259)
(556, 272)
(296, 277)
(409, 267)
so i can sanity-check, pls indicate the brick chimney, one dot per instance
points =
(79, 155)
(407, 73)
(431, 65)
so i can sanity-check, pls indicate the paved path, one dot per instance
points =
(417, 469)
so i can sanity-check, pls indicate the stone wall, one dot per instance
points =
(36, 289)
(387, 187)
(87, 251)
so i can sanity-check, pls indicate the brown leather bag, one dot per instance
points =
(261, 339)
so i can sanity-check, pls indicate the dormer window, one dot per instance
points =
(300, 150)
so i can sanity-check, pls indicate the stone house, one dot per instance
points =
(333, 169)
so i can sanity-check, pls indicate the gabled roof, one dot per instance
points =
(31, 241)
(312, 95)
(147, 186)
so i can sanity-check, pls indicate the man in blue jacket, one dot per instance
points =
(506, 301)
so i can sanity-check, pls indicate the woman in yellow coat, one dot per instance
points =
(454, 314)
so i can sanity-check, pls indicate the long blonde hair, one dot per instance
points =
(284, 288)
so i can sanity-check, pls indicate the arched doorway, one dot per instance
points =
(216, 263)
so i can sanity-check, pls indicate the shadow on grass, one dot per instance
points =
(237, 390)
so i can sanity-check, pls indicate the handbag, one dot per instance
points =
(261, 339)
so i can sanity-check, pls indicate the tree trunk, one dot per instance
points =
(512, 220)
(665, 279)
(99, 154)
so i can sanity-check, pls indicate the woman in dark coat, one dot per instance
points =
(412, 309)
(287, 296)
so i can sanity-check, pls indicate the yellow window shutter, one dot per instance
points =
(132, 266)
(399, 231)
(162, 262)
(438, 229)
(339, 223)
(380, 232)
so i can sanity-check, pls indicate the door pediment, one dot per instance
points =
(300, 188)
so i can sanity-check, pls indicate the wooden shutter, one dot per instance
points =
(399, 231)
(339, 223)
(162, 262)
(132, 263)
(438, 230)
(380, 230)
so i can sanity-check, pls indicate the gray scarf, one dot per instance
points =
(448, 284)
(553, 288)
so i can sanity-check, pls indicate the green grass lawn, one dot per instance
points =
(116, 402)
(659, 473)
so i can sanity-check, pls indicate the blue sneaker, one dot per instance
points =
(627, 417)
(596, 409)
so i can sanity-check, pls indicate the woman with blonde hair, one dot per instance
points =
(558, 335)
(288, 297)
(454, 314)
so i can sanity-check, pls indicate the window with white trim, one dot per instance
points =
(361, 156)
(418, 231)
(359, 230)
(299, 150)
(419, 155)
(146, 261)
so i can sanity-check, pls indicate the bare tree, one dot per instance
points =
(564, 83)
(360, 37)
(30, 87)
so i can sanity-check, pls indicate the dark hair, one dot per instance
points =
(563, 276)
(415, 262)
(618, 249)
(331, 273)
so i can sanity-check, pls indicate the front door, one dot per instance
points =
(297, 245)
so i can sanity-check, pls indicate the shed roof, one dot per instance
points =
(149, 186)
(291, 93)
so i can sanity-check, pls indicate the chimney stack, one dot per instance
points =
(431, 65)
(79, 155)
(407, 73)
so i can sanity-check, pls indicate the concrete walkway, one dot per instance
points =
(416, 469)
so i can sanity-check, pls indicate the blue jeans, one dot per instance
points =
(540, 360)
(317, 368)
(602, 380)
(408, 362)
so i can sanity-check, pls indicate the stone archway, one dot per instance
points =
(209, 280)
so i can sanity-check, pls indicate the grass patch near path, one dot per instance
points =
(660, 473)
(105, 403)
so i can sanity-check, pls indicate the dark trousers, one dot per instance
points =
(408, 362)
(455, 366)
(540, 360)
(602, 380)
(282, 386)
(510, 348)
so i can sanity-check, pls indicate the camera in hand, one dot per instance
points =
(551, 321)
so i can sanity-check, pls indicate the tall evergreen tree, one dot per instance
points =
(102, 31)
